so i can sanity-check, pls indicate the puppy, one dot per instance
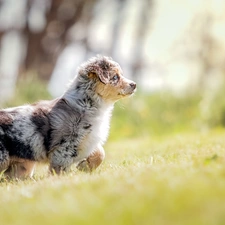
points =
(70, 129)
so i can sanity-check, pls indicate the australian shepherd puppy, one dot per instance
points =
(70, 129)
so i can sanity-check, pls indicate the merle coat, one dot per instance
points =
(66, 130)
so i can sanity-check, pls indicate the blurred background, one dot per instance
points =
(173, 49)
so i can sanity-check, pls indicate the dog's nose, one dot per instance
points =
(133, 85)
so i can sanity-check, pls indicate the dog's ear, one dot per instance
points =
(103, 73)
(99, 69)
(104, 77)
(96, 67)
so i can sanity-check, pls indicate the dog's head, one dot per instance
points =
(107, 75)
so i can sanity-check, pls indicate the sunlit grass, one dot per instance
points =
(172, 180)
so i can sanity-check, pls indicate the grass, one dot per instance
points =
(160, 168)
(178, 179)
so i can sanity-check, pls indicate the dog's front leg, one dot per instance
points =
(93, 160)
(60, 161)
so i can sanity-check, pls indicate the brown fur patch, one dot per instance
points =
(20, 168)
(5, 118)
(95, 159)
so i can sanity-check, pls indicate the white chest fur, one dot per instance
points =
(98, 134)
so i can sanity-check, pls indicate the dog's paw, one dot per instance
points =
(84, 166)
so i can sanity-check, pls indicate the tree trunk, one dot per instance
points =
(43, 48)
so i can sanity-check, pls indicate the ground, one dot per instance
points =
(173, 179)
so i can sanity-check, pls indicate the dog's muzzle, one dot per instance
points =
(133, 86)
(129, 89)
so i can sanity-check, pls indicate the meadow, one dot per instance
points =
(164, 165)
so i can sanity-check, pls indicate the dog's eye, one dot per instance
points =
(115, 78)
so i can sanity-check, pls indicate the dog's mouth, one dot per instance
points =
(130, 91)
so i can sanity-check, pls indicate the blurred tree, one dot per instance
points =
(45, 28)
(117, 25)
(44, 45)
(207, 47)
(32, 39)
(141, 34)
(33, 33)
